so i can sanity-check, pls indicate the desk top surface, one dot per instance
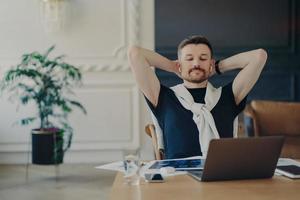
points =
(185, 187)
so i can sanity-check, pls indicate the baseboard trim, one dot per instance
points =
(93, 156)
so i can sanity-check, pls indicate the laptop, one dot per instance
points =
(240, 158)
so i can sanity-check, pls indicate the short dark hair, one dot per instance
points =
(194, 39)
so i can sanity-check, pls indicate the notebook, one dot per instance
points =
(192, 163)
(291, 171)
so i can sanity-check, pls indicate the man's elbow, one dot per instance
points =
(261, 55)
(133, 51)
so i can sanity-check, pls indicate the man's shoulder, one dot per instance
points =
(166, 89)
(165, 94)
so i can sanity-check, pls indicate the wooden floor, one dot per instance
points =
(74, 181)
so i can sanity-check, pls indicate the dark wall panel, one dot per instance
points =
(234, 26)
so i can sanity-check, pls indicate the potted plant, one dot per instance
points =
(47, 83)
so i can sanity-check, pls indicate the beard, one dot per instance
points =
(195, 78)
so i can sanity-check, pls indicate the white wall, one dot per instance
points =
(96, 36)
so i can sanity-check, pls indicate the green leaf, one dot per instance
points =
(79, 105)
(58, 58)
(25, 99)
(49, 51)
(28, 120)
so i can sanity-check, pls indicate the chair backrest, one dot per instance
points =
(276, 118)
(159, 152)
(273, 118)
(150, 131)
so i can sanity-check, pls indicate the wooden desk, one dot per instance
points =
(185, 187)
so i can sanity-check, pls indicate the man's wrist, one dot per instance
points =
(217, 67)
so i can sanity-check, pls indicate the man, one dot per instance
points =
(193, 113)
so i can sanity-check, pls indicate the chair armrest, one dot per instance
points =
(150, 131)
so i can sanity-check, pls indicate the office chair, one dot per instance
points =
(150, 131)
(266, 118)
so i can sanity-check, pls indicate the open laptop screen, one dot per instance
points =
(242, 158)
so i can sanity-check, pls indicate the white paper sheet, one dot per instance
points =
(114, 166)
(287, 161)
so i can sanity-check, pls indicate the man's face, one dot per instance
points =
(195, 63)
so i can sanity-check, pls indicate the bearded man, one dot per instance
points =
(190, 114)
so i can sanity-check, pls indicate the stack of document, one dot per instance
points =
(180, 165)
(288, 167)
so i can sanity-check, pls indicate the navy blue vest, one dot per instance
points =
(180, 133)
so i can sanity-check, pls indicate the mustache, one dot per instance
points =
(196, 68)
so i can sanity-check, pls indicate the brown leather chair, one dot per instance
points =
(150, 131)
(266, 118)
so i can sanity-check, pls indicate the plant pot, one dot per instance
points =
(47, 146)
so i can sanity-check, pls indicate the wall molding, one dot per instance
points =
(106, 79)
(89, 156)
(133, 140)
(113, 67)
(131, 27)
(112, 62)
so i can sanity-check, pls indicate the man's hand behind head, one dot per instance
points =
(213, 71)
(176, 68)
